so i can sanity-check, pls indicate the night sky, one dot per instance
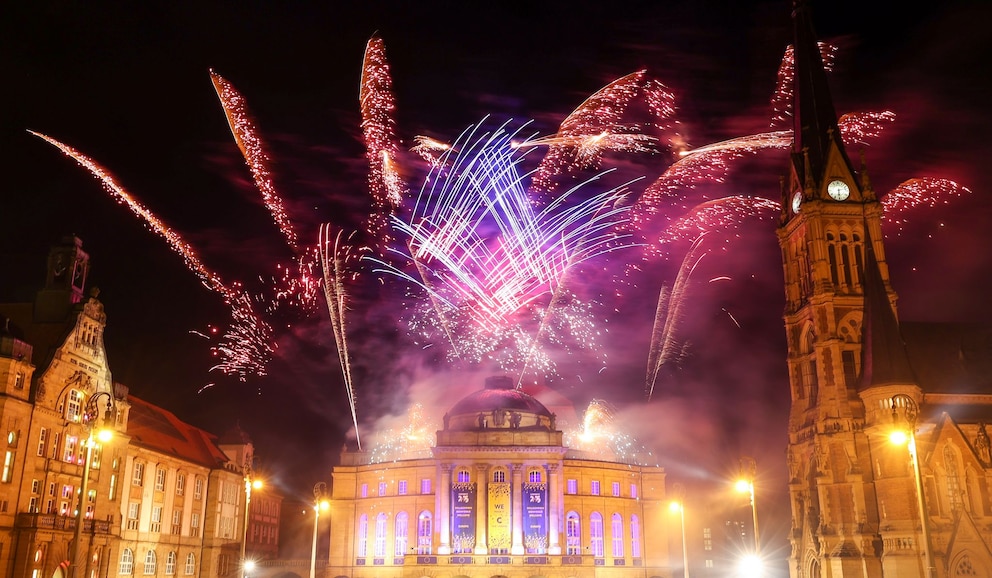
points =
(129, 86)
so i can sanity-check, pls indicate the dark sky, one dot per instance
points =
(128, 85)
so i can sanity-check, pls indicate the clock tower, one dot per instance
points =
(831, 239)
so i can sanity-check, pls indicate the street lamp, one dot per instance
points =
(319, 503)
(907, 435)
(250, 482)
(91, 417)
(678, 505)
(745, 484)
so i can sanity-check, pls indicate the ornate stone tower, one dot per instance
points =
(830, 216)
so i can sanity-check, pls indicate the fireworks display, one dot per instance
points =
(379, 128)
(491, 263)
(507, 252)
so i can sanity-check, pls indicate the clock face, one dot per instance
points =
(797, 201)
(838, 190)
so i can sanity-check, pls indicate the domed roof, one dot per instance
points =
(499, 394)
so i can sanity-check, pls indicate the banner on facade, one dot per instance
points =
(462, 517)
(535, 511)
(499, 516)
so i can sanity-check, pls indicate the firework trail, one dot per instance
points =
(595, 127)
(246, 347)
(379, 130)
(668, 315)
(486, 255)
(246, 136)
(429, 149)
(929, 192)
(334, 258)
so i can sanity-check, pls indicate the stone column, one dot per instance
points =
(554, 507)
(517, 548)
(481, 508)
(444, 510)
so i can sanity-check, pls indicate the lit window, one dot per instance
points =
(180, 484)
(364, 492)
(400, 533)
(596, 534)
(616, 489)
(19, 380)
(463, 477)
(150, 563)
(133, 510)
(401, 488)
(74, 403)
(425, 533)
(363, 536)
(633, 491)
(69, 453)
(156, 519)
(616, 535)
(380, 535)
(382, 488)
(170, 564)
(127, 562)
(534, 476)
(138, 475)
(572, 486)
(113, 486)
(573, 545)
(425, 486)
(190, 564)
(160, 479)
(594, 488)
(8, 467)
(635, 536)
(197, 488)
(42, 438)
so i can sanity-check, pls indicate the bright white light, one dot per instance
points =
(898, 437)
(750, 566)
(249, 565)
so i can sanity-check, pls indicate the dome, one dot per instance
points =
(498, 405)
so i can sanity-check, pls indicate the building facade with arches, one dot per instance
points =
(500, 495)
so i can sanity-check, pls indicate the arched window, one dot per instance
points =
(363, 535)
(596, 534)
(616, 535)
(463, 477)
(534, 476)
(499, 475)
(401, 534)
(635, 536)
(425, 533)
(832, 258)
(150, 563)
(380, 535)
(573, 535)
(127, 562)
(170, 564)
(190, 564)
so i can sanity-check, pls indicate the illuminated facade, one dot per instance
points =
(856, 373)
(162, 498)
(499, 495)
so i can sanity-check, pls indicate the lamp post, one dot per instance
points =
(749, 470)
(910, 413)
(250, 483)
(319, 503)
(678, 504)
(91, 415)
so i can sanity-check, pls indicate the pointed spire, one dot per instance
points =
(884, 357)
(815, 120)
